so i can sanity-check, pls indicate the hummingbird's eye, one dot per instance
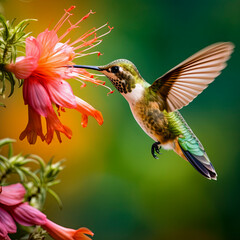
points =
(115, 69)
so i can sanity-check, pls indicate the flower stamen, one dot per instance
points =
(64, 18)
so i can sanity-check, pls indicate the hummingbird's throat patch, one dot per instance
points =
(124, 84)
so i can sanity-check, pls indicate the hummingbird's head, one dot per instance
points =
(122, 73)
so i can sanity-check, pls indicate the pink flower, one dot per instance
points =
(7, 224)
(12, 194)
(9, 196)
(13, 208)
(27, 215)
(45, 68)
(61, 233)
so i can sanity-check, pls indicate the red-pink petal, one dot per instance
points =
(12, 194)
(86, 109)
(7, 221)
(60, 93)
(56, 231)
(47, 41)
(80, 234)
(34, 127)
(33, 48)
(54, 125)
(64, 50)
(23, 67)
(61, 233)
(36, 96)
(84, 122)
(3, 231)
(27, 215)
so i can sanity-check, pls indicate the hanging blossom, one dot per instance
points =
(45, 68)
(13, 209)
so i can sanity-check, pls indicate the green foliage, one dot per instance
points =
(38, 234)
(12, 38)
(29, 233)
(37, 180)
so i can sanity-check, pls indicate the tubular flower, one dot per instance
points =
(13, 209)
(45, 68)
(61, 233)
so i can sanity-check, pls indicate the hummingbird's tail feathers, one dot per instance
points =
(188, 146)
(201, 164)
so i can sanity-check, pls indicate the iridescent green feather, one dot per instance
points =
(187, 139)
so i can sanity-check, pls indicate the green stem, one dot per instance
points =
(5, 53)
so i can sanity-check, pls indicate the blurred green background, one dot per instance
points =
(111, 183)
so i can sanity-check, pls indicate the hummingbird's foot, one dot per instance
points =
(156, 148)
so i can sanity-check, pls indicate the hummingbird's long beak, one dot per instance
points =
(87, 67)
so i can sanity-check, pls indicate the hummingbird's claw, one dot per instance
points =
(156, 148)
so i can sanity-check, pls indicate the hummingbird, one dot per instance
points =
(155, 106)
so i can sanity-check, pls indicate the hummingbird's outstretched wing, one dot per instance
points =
(179, 86)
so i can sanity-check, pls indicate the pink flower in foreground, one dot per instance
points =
(27, 215)
(45, 68)
(11, 195)
(12, 208)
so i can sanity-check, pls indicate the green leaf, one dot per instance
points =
(19, 36)
(12, 82)
(23, 24)
(5, 160)
(43, 194)
(20, 82)
(56, 197)
(6, 141)
(10, 150)
(3, 83)
(26, 171)
(14, 54)
(15, 159)
(52, 183)
(50, 162)
(39, 159)
(28, 160)
(2, 42)
(5, 31)
(2, 19)
(2, 165)
(21, 175)
(12, 22)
